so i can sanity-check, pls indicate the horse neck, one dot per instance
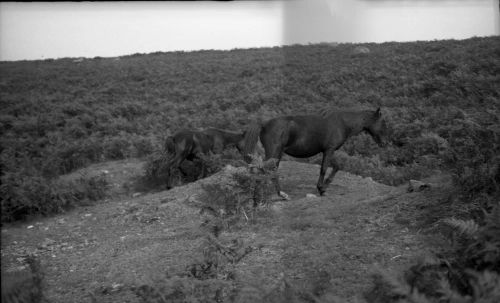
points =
(230, 138)
(355, 122)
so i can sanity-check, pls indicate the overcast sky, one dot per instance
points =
(54, 30)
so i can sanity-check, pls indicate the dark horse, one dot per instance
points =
(307, 135)
(191, 145)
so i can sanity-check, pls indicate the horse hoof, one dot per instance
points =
(284, 196)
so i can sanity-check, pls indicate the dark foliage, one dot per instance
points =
(24, 286)
(26, 196)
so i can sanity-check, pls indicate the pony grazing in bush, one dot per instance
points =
(191, 145)
(307, 135)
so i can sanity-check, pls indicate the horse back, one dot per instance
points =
(297, 127)
(302, 135)
(203, 143)
(215, 138)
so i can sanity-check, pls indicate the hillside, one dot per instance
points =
(322, 246)
(58, 115)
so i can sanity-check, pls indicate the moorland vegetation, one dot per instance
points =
(441, 99)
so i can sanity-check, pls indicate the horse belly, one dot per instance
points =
(300, 151)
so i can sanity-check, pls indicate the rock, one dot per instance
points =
(136, 195)
(284, 196)
(229, 167)
(312, 196)
(415, 186)
(46, 243)
(116, 287)
(30, 226)
(361, 50)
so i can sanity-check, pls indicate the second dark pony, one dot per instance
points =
(191, 145)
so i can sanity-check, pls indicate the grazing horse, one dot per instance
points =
(190, 145)
(307, 135)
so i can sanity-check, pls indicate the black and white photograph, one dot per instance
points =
(315, 151)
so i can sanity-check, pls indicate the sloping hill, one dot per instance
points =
(141, 245)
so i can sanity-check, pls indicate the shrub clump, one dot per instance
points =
(24, 196)
(156, 169)
(469, 272)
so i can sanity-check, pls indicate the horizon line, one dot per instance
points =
(241, 48)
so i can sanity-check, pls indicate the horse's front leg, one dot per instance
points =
(328, 160)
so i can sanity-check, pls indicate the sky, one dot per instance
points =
(30, 31)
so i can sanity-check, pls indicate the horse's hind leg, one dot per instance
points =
(173, 164)
(274, 138)
(322, 172)
(328, 160)
(204, 170)
(275, 179)
(335, 168)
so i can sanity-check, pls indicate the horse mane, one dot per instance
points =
(327, 112)
(231, 132)
(252, 134)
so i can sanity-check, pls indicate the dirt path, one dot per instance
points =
(318, 244)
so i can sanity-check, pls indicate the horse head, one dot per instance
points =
(377, 128)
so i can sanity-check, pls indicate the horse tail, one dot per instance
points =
(251, 138)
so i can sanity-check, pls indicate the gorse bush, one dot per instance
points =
(474, 159)
(156, 169)
(229, 203)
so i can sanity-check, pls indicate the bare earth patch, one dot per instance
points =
(317, 244)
